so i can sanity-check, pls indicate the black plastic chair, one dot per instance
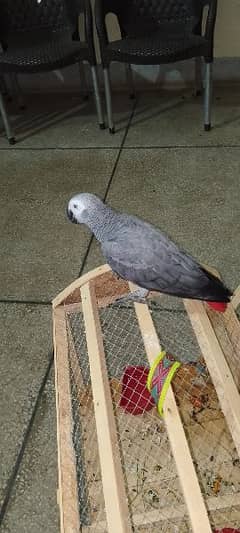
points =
(154, 32)
(42, 35)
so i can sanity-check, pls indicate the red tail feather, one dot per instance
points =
(218, 306)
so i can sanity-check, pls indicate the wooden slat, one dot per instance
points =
(227, 330)
(112, 476)
(232, 326)
(219, 370)
(236, 298)
(67, 491)
(187, 475)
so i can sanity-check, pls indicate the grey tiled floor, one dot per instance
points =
(159, 165)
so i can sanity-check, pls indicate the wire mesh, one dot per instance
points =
(154, 493)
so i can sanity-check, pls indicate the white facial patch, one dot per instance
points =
(77, 207)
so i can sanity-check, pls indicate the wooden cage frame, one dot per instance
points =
(219, 364)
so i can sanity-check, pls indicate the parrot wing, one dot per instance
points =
(140, 253)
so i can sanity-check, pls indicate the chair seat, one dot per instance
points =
(157, 48)
(31, 53)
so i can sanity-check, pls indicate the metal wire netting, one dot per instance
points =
(154, 493)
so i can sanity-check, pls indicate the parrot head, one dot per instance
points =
(82, 206)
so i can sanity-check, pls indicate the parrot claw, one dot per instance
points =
(138, 296)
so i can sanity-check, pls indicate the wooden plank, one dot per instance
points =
(170, 512)
(112, 476)
(219, 370)
(67, 490)
(236, 298)
(180, 449)
(227, 330)
(232, 325)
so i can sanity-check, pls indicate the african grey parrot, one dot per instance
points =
(138, 252)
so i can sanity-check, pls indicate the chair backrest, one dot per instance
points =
(152, 12)
(163, 10)
(31, 15)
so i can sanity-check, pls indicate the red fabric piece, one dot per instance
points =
(218, 306)
(227, 530)
(135, 398)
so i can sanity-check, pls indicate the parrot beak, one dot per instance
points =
(71, 216)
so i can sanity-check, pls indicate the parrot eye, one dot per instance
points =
(75, 206)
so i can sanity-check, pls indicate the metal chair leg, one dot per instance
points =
(18, 91)
(97, 98)
(208, 97)
(4, 88)
(3, 111)
(198, 76)
(108, 99)
(83, 80)
(130, 81)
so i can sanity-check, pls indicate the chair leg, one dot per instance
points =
(18, 91)
(97, 98)
(130, 82)
(108, 99)
(4, 88)
(3, 111)
(198, 76)
(83, 79)
(208, 97)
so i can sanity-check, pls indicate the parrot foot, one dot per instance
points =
(138, 296)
